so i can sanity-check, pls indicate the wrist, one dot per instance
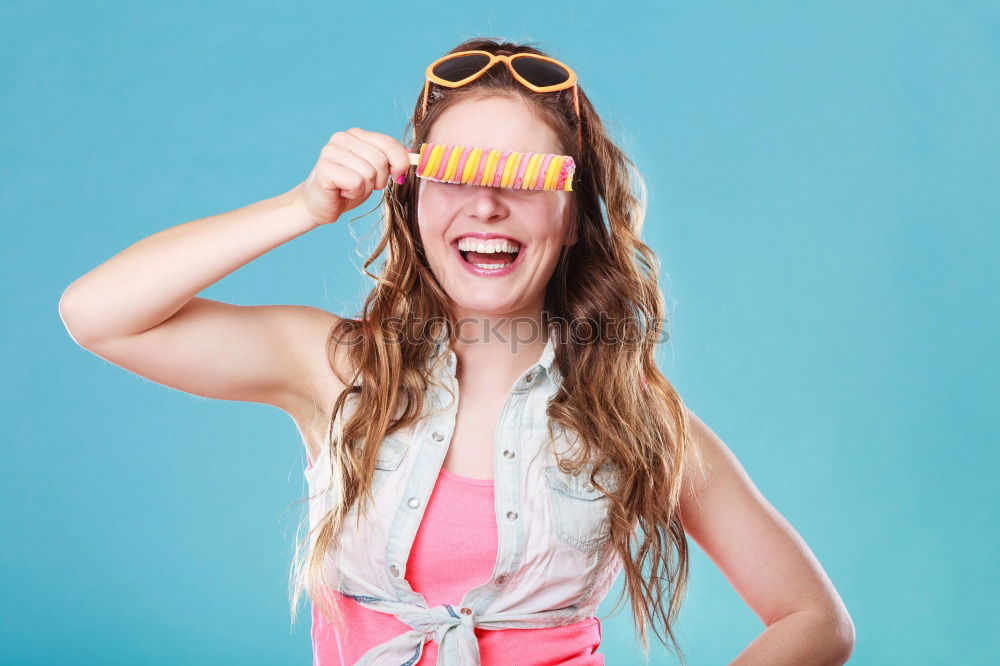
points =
(295, 203)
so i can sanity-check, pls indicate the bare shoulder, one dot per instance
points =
(715, 482)
(706, 457)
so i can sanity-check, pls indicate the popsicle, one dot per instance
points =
(494, 167)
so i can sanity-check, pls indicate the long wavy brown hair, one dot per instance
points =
(611, 388)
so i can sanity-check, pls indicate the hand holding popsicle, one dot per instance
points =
(350, 167)
(357, 162)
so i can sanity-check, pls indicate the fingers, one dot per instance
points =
(394, 153)
(357, 162)
(343, 159)
(348, 181)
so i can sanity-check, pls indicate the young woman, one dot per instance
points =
(490, 443)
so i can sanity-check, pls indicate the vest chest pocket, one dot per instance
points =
(579, 509)
(390, 454)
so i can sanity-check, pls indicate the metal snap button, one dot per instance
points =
(413, 502)
(394, 570)
(512, 515)
(588, 487)
(437, 436)
(529, 377)
(465, 610)
(501, 580)
(508, 454)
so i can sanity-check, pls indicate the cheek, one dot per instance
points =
(430, 217)
(559, 229)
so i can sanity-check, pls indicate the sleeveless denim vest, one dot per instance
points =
(554, 561)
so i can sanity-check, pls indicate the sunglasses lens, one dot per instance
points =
(460, 67)
(540, 72)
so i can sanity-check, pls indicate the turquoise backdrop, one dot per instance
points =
(823, 183)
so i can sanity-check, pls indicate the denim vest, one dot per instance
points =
(554, 562)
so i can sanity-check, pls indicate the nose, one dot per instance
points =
(485, 204)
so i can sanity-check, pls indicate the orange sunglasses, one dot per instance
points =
(537, 73)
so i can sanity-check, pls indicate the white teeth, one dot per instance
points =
(491, 266)
(487, 246)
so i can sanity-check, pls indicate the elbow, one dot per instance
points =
(830, 631)
(838, 630)
(845, 635)
(70, 320)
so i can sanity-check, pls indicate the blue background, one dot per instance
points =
(822, 194)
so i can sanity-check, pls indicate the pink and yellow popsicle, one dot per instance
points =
(494, 167)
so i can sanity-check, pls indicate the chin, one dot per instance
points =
(483, 305)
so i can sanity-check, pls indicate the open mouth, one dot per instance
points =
(488, 257)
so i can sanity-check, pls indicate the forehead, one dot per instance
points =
(507, 123)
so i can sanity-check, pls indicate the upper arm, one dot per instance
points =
(760, 554)
(270, 354)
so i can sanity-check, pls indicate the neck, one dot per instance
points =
(494, 350)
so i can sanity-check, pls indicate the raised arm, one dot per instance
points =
(140, 310)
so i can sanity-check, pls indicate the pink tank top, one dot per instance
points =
(454, 550)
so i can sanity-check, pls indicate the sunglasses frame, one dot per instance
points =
(430, 77)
